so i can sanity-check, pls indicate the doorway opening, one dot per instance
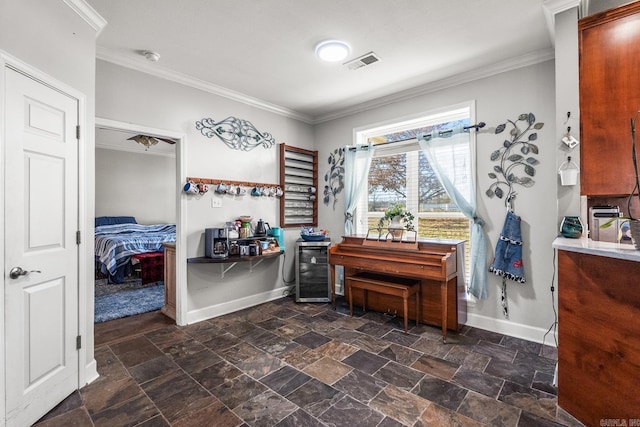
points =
(137, 210)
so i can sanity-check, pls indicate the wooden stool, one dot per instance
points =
(388, 285)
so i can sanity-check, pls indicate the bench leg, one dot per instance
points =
(418, 303)
(350, 300)
(364, 300)
(405, 302)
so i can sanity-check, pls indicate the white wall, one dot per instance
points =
(136, 184)
(498, 98)
(134, 97)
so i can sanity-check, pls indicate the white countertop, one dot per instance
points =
(587, 246)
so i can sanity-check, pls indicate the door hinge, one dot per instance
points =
(78, 342)
(78, 240)
(78, 132)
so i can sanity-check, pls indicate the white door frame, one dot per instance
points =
(181, 204)
(9, 61)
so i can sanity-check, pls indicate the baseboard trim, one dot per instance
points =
(91, 372)
(221, 309)
(512, 329)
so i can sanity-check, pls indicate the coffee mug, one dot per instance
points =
(202, 187)
(255, 191)
(279, 192)
(190, 187)
(231, 189)
(265, 190)
(312, 190)
(221, 188)
(272, 191)
(240, 190)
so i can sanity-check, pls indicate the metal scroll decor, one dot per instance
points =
(515, 156)
(238, 134)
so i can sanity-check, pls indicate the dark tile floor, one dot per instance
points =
(288, 364)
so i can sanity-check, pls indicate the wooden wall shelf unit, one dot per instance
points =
(299, 180)
(609, 49)
(227, 264)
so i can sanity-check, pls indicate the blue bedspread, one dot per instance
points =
(114, 244)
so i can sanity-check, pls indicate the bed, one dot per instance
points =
(118, 238)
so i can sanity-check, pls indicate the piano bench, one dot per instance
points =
(388, 285)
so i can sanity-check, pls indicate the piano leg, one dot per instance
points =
(444, 301)
(332, 271)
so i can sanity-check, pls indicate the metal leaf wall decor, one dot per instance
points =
(237, 133)
(334, 178)
(516, 161)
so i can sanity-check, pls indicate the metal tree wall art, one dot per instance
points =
(237, 133)
(334, 178)
(516, 164)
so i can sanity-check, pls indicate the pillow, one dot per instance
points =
(111, 220)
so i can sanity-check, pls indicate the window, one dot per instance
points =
(400, 173)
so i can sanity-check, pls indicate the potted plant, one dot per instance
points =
(399, 219)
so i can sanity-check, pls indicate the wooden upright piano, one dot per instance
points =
(435, 262)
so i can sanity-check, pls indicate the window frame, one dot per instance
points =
(442, 115)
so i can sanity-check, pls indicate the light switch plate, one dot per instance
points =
(216, 202)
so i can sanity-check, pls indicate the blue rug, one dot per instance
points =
(114, 302)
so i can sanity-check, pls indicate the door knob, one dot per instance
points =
(16, 272)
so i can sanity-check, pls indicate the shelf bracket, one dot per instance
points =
(253, 265)
(224, 269)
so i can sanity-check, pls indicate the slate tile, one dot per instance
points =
(360, 385)
(399, 375)
(517, 373)
(315, 397)
(436, 367)
(536, 402)
(400, 338)
(299, 418)
(265, 409)
(365, 361)
(237, 390)
(442, 392)
(312, 340)
(478, 381)
(327, 370)
(489, 411)
(285, 380)
(400, 405)
(216, 374)
(348, 411)
(375, 329)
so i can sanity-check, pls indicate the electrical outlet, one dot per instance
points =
(216, 202)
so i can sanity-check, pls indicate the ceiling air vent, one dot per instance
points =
(363, 61)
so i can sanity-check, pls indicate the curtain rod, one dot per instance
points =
(442, 133)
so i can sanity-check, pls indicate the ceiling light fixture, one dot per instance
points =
(332, 50)
(145, 140)
(151, 56)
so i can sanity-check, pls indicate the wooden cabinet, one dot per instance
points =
(169, 308)
(598, 340)
(609, 44)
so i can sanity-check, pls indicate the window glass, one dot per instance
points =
(401, 174)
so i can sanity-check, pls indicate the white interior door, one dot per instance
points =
(41, 254)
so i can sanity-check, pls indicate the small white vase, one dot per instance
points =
(396, 227)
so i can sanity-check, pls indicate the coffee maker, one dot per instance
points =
(216, 243)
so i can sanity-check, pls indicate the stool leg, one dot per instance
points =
(364, 300)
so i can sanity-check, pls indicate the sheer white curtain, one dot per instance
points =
(450, 159)
(357, 160)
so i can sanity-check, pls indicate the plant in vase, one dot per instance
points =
(634, 223)
(399, 219)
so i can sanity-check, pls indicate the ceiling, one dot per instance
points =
(262, 51)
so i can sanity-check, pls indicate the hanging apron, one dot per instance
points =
(508, 259)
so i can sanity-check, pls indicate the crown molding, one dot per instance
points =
(479, 73)
(89, 14)
(476, 74)
(552, 7)
(174, 76)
